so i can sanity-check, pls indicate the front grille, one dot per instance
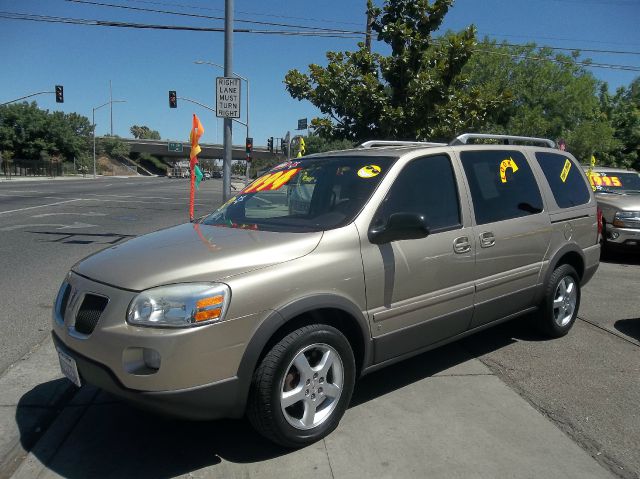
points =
(89, 313)
(65, 300)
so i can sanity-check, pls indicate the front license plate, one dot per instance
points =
(69, 368)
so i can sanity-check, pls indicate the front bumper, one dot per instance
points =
(622, 236)
(198, 373)
(211, 401)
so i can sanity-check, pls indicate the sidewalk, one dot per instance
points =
(441, 414)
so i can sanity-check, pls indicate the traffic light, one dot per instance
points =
(249, 146)
(270, 144)
(59, 94)
(173, 99)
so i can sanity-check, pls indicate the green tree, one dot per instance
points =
(548, 95)
(144, 132)
(113, 146)
(623, 111)
(29, 132)
(416, 92)
(317, 144)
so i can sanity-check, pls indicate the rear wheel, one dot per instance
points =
(561, 302)
(303, 386)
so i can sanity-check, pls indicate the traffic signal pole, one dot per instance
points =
(228, 123)
(27, 96)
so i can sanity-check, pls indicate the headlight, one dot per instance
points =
(629, 219)
(180, 305)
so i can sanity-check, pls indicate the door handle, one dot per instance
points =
(461, 245)
(487, 240)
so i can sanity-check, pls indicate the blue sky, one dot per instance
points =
(144, 64)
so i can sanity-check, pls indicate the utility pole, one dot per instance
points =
(111, 105)
(228, 122)
(367, 38)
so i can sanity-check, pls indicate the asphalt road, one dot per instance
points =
(47, 226)
(586, 383)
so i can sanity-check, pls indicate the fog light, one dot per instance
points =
(141, 361)
(151, 358)
(614, 235)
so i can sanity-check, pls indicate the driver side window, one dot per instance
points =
(426, 186)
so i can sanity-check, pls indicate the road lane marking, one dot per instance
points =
(74, 226)
(91, 213)
(136, 197)
(39, 206)
(34, 196)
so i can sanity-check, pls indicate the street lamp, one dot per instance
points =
(93, 123)
(203, 62)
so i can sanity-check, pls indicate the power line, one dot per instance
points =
(609, 66)
(268, 15)
(211, 17)
(323, 34)
(108, 23)
(111, 5)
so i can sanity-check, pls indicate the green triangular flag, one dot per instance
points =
(199, 175)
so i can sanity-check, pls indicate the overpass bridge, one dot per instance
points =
(180, 150)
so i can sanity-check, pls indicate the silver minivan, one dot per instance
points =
(326, 268)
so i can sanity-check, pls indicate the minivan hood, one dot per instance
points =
(192, 252)
(625, 202)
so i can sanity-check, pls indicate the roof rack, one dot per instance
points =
(387, 143)
(508, 139)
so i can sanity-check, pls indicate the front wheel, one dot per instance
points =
(561, 302)
(303, 386)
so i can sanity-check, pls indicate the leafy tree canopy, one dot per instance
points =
(144, 132)
(113, 146)
(31, 133)
(317, 144)
(416, 92)
(548, 95)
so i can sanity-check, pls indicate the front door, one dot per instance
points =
(421, 291)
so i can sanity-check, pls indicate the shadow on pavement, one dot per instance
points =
(630, 327)
(113, 439)
(621, 256)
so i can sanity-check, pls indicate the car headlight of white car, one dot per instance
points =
(627, 219)
(180, 305)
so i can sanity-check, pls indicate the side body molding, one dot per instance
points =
(276, 319)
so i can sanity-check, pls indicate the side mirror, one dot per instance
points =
(400, 226)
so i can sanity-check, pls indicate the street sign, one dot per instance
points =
(174, 146)
(302, 124)
(227, 97)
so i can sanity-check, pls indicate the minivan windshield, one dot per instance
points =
(304, 195)
(614, 182)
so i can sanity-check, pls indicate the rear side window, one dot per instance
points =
(426, 186)
(502, 185)
(565, 179)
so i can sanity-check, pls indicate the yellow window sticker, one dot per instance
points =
(565, 170)
(369, 171)
(504, 166)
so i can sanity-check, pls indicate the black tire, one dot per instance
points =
(559, 309)
(276, 372)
